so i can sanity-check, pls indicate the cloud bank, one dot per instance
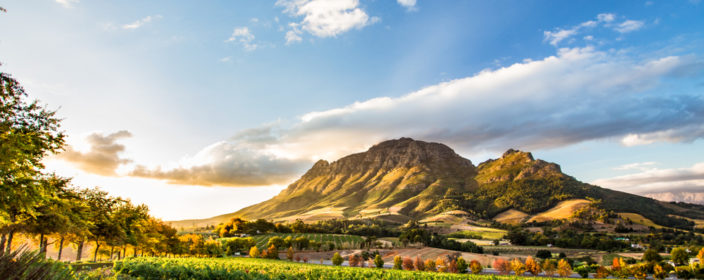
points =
(576, 95)
(103, 156)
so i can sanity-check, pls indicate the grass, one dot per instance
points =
(485, 233)
(639, 219)
(562, 210)
(511, 216)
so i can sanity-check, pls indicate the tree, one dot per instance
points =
(276, 241)
(28, 133)
(254, 252)
(289, 253)
(429, 265)
(616, 264)
(353, 260)
(475, 267)
(563, 268)
(461, 265)
(502, 266)
(379, 262)
(651, 255)
(679, 256)
(398, 262)
(533, 267)
(418, 264)
(549, 267)
(602, 272)
(337, 259)
(518, 267)
(700, 255)
(659, 272)
(407, 263)
(272, 252)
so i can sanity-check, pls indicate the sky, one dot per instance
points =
(200, 108)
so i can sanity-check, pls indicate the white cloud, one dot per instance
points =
(244, 37)
(292, 37)
(226, 59)
(558, 35)
(637, 166)
(579, 94)
(629, 26)
(67, 3)
(141, 22)
(654, 180)
(408, 4)
(103, 155)
(327, 18)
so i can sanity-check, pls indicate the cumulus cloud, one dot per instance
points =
(244, 37)
(325, 18)
(676, 184)
(408, 4)
(103, 155)
(606, 20)
(576, 95)
(141, 22)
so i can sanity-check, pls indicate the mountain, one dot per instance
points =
(403, 179)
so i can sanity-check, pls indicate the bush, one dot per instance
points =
(353, 260)
(602, 272)
(475, 267)
(418, 264)
(659, 272)
(461, 265)
(379, 262)
(684, 272)
(398, 263)
(582, 271)
(254, 252)
(651, 255)
(543, 254)
(563, 268)
(289, 253)
(430, 265)
(407, 263)
(502, 266)
(680, 256)
(337, 259)
(23, 264)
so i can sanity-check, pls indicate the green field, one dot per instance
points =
(247, 268)
(342, 241)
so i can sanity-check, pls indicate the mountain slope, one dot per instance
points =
(396, 177)
(404, 178)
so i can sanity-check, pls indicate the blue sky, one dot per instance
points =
(198, 109)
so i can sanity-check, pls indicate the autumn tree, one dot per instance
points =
(533, 267)
(563, 268)
(518, 267)
(502, 266)
(475, 267)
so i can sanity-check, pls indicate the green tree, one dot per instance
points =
(462, 265)
(680, 256)
(378, 261)
(651, 255)
(254, 252)
(398, 262)
(28, 133)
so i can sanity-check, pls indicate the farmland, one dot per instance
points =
(342, 241)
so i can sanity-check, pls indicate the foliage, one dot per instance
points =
(679, 256)
(582, 271)
(379, 262)
(651, 255)
(549, 266)
(398, 262)
(563, 268)
(407, 263)
(430, 265)
(543, 254)
(602, 272)
(475, 267)
(659, 272)
(337, 259)
(518, 267)
(502, 266)
(418, 264)
(23, 264)
(254, 252)
(461, 265)
(289, 254)
(533, 267)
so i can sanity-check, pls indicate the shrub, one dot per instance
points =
(659, 272)
(680, 256)
(272, 252)
(454, 268)
(461, 265)
(298, 258)
(582, 271)
(407, 263)
(518, 267)
(440, 263)
(305, 259)
(651, 255)
(398, 262)
(602, 272)
(289, 253)
(639, 271)
(684, 272)
(254, 252)
(430, 265)
(379, 262)
(353, 260)
(418, 263)
(502, 266)
(533, 267)
(475, 267)
(337, 259)
(563, 268)
(24, 264)
(543, 254)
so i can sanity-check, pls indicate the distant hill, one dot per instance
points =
(403, 179)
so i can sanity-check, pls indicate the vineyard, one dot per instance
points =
(247, 268)
(342, 241)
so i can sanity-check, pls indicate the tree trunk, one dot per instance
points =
(42, 245)
(95, 255)
(124, 252)
(79, 250)
(9, 240)
(112, 251)
(61, 248)
(2, 242)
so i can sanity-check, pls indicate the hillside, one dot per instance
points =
(403, 179)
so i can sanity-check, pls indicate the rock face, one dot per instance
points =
(395, 177)
(516, 165)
